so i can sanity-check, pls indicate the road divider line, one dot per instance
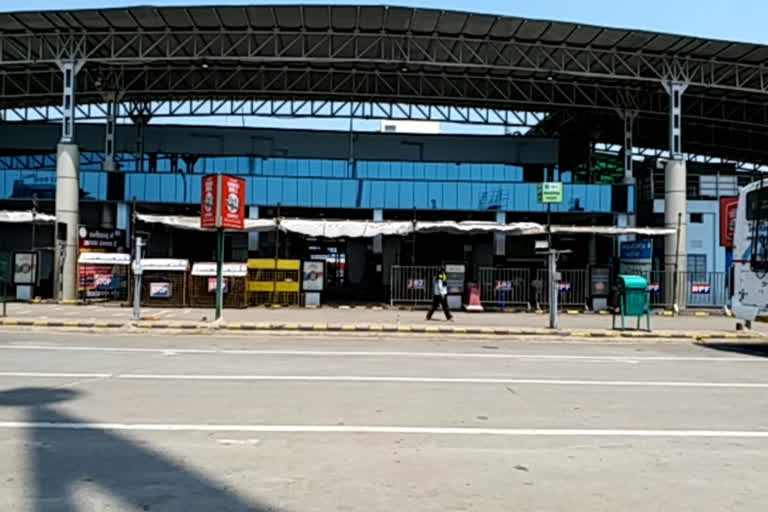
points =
(361, 353)
(443, 380)
(371, 429)
(57, 375)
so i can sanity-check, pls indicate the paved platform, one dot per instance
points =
(365, 320)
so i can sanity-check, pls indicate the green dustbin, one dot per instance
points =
(633, 300)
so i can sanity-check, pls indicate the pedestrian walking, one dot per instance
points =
(440, 295)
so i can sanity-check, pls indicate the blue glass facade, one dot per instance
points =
(327, 184)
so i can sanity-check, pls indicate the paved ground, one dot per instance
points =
(362, 316)
(89, 422)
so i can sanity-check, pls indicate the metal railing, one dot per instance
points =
(412, 284)
(501, 288)
(572, 288)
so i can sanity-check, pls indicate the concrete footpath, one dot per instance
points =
(367, 320)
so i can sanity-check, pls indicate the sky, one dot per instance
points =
(736, 20)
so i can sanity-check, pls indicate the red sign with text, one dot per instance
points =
(208, 202)
(232, 202)
(222, 202)
(728, 206)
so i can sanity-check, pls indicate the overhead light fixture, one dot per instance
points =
(550, 78)
(205, 65)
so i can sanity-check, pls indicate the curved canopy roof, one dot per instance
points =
(390, 54)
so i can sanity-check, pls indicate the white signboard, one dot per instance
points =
(313, 275)
(228, 269)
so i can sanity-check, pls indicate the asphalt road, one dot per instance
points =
(97, 422)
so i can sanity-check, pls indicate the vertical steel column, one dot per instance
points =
(69, 70)
(109, 135)
(628, 219)
(675, 89)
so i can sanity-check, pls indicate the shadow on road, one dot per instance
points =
(756, 349)
(65, 459)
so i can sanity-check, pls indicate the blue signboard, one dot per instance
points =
(640, 250)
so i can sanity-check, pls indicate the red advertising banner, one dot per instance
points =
(208, 202)
(222, 202)
(233, 202)
(728, 207)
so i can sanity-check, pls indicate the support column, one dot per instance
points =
(140, 116)
(675, 200)
(500, 241)
(378, 252)
(628, 219)
(67, 189)
(109, 136)
(253, 236)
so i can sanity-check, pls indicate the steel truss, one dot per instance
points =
(615, 149)
(287, 108)
(302, 92)
(330, 47)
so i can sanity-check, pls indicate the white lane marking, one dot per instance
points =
(441, 380)
(47, 375)
(363, 353)
(391, 379)
(369, 429)
(228, 442)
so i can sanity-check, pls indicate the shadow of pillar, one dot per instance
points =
(66, 452)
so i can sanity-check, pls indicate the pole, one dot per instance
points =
(677, 261)
(553, 320)
(277, 255)
(219, 272)
(137, 272)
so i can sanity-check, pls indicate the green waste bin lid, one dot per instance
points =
(633, 282)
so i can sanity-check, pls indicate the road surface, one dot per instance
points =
(97, 422)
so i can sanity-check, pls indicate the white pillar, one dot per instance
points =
(67, 219)
(378, 216)
(499, 237)
(253, 236)
(676, 254)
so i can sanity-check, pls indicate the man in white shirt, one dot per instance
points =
(440, 295)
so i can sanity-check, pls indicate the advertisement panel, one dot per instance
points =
(160, 290)
(728, 206)
(208, 202)
(313, 275)
(233, 202)
(24, 267)
(212, 285)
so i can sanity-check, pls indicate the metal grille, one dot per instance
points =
(504, 287)
(177, 282)
(200, 297)
(572, 288)
(412, 284)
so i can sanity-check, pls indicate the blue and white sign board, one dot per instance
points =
(636, 257)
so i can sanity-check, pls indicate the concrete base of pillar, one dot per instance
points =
(67, 220)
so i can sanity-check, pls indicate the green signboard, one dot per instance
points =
(550, 192)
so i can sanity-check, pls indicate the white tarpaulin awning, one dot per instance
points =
(368, 228)
(345, 228)
(103, 258)
(189, 222)
(25, 216)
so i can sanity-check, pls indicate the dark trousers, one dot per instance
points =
(437, 301)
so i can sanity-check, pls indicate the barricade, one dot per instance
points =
(163, 283)
(103, 276)
(202, 285)
(501, 288)
(572, 288)
(412, 284)
(274, 284)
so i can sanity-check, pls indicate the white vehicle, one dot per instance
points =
(750, 253)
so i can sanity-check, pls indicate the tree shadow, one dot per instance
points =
(67, 452)
(756, 349)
